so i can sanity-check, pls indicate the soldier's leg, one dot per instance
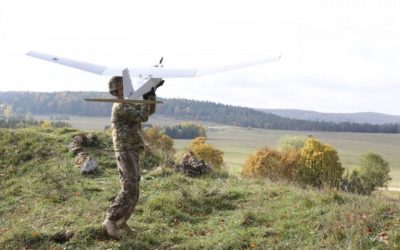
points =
(134, 158)
(124, 204)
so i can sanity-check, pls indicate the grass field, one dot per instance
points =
(43, 195)
(237, 143)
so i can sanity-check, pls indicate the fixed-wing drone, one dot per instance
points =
(150, 78)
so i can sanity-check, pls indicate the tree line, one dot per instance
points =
(72, 103)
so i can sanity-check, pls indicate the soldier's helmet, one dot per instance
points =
(114, 84)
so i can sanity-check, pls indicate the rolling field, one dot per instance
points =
(237, 143)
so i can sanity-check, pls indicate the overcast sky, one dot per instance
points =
(337, 56)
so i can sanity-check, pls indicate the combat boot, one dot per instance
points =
(110, 227)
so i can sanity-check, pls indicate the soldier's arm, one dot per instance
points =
(152, 108)
(149, 109)
(133, 113)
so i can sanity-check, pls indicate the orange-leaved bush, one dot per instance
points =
(156, 140)
(206, 152)
(159, 149)
(320, 164)
(272, 164)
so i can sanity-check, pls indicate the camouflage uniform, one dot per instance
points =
(127, 139)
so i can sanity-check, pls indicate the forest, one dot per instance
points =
(72, 103)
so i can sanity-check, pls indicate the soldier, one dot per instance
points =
(126, 121)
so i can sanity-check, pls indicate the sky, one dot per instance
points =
(338, 56)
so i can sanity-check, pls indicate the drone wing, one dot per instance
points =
(89, 67)
(143, 72)
(209, 71)
(140, 72)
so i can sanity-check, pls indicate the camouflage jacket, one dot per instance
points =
(126, 121)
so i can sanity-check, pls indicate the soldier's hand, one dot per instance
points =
(150, 95)
(160, 84)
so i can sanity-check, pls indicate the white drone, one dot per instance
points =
(150, 78)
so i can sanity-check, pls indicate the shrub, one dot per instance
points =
(158, 141)
(150, 159)
(272, 164)
(320, 164)
(373, 173)
(159, 148)
(206, 152)
(45, 124)
(352, 183)
(263, 162)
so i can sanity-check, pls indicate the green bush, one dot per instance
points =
(373, 173)
(150, 159)
(352, 183)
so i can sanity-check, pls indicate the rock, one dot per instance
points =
(83, 140)
(156, 171)
(62, 237)
(72, 145)
(192, 166)
(80, 158)
(91, 139)
(89, 166)
(79, 139)
(76, 150)
(69, 234)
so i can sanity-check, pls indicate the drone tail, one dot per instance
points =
(127, 84)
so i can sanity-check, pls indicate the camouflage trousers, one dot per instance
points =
(129, 175)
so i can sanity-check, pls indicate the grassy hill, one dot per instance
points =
(43, 194)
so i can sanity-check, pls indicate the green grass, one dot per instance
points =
(43, 194)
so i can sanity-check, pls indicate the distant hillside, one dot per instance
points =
(362, 117)
(72, 103)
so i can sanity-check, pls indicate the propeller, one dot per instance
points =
(160, 63)
(162, 81)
